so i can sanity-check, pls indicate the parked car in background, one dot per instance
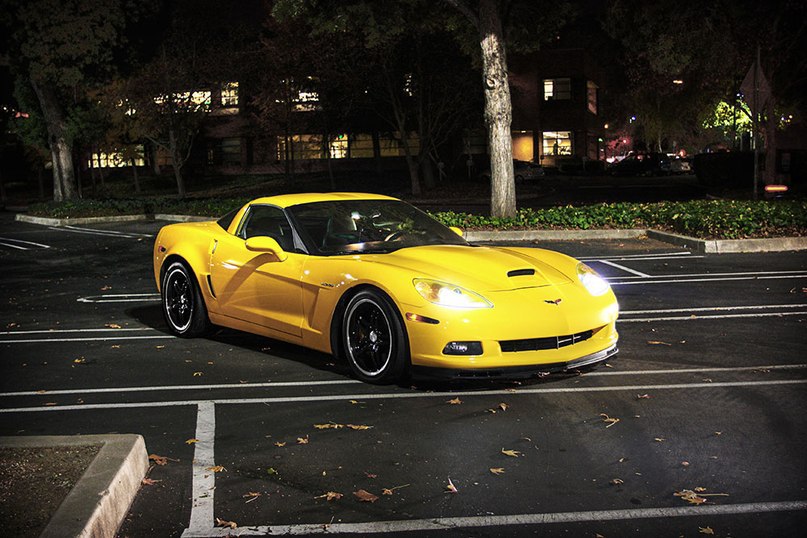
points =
(680, 165)
(642, 164)
(522, 170)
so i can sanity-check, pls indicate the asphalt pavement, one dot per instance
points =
(698, 425)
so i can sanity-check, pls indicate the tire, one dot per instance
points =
(373, 339)
(183, 306)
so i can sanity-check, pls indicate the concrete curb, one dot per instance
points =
(731, 246)
(46, 221)
(702, 246)
(100, 500)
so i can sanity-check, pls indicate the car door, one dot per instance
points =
(257, 286)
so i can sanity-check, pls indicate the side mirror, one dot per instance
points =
(457, 231)
(269, 245)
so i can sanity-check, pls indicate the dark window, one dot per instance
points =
(269, 221)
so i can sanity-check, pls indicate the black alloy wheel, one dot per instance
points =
(373, 338)
(183, 306)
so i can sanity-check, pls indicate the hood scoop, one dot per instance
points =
(521, 272)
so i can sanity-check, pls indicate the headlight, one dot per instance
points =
(594, 283)
(445, 294)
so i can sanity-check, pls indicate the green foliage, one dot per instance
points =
(702, 218)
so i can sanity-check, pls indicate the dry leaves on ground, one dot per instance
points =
(330, 496)
(365, 496)
(216, 468)
(497, 470)
(511, 453)
(389, 491)
(302, 440)
(161, 460)
(191, 441)
(251, 496)
(224, 523)
(706, 530)
(450, 487)
(455, 401)
(609, 420)
(149, 481)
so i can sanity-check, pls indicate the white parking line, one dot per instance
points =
(87, 339)
(20, 244)
(623, 268)
(712, 309)
(442, 524)
(693, 317)
(204, 478)
(279, 384)
(704, 279)
(120, 298)
(105, 233)
(406, 395)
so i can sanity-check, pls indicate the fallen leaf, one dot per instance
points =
(159, 460)
(251, 496)
(511, 453)
(82, 360)
(224, 523)
(365, 496)
(659, 439)
(106, 288)
(159, 347)
(302, 440)
(642, 396)
(329, 426)
(617, 482)
(280, 444)
(357, 426)
(191, 441)
(271, 471)
(389, 491)
(503, 406)
(455, 401)
(685, 464)
(198, 374)
(116, 346)
(149, 481)
(706, 530)
(451, 488)
(330, 496)
(497, 470)
(370, 475)
(658, 343)
(609, 420)
(690, 496)
(216, 468)
(112, 326)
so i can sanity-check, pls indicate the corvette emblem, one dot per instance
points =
(555, 302)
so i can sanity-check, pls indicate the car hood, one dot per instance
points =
(479, 268)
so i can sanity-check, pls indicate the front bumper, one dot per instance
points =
(513, 372)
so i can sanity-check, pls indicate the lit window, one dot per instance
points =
(557, 143)
(391, 144)
(591, 97)
(229, 94)
(557, 88)
(306, 101)
(117, 159)
(300, 147)
(339, 147)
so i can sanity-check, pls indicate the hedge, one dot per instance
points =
(707, 219)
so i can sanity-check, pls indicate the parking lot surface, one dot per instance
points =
(697, 426)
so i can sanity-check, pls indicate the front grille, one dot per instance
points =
(551, 342)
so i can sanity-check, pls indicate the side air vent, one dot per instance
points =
(521, 272)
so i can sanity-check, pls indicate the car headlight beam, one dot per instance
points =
(445, 294)
(591, 280)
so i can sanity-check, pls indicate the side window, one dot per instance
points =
(267, 221)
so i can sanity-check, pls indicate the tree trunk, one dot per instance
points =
(769, 176)
(135, 177)
(498, 111)
(176, 162)
(61, 148)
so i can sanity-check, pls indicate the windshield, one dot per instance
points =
(374, 226)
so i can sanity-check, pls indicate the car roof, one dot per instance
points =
(288, 200)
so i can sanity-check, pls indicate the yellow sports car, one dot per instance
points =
(378, 282)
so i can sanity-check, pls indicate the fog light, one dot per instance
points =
(463, 348)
